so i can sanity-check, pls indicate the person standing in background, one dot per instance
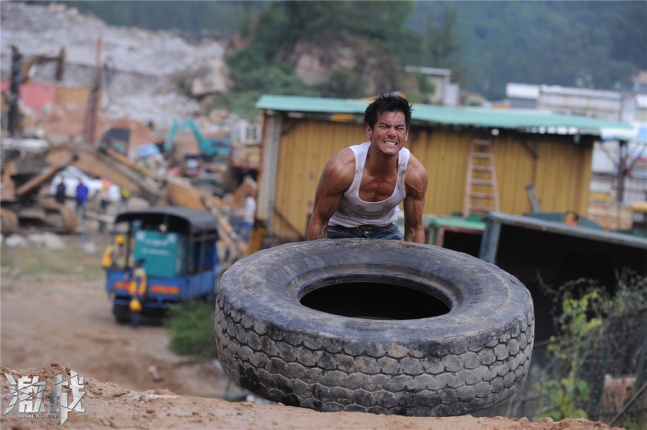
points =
(249, 215)
(113, 255)
(61, 192)
(137, 291)
(123, 200)
(82, 200)
(104, 196)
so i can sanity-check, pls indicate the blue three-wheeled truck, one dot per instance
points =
(179, 246)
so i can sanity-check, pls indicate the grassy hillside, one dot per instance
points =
(593, 44)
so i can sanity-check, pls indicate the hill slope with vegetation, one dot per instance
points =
(589, 44)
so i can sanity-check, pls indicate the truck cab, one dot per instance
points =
(179, 246)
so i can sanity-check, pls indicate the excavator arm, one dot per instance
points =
(99, 164)
(208, 146)
(107, 163)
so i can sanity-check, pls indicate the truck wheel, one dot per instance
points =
(386, 327)
(9, 222)
(121, 313)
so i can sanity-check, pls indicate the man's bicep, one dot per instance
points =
(327, 204)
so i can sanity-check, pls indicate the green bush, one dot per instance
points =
(600, 331)
(191, 326)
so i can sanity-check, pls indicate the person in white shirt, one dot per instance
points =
(249, 214)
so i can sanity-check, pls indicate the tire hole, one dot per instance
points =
(373, 300)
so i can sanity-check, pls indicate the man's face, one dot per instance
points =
(389, 133)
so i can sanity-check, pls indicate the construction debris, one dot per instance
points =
(122, 82)
(142, 64)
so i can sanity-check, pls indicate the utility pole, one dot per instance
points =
(90, 120)
(13, 119)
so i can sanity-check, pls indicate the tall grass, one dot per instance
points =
(191, 327)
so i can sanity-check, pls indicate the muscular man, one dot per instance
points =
(361, 187)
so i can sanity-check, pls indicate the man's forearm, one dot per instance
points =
(317, 230)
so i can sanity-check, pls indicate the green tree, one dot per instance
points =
(598, 333)
(629, 44)
(442, 42)
(222, 18)
(597, 44)
(567, 394)
(265, 65)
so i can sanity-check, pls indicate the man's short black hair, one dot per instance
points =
(387, 103)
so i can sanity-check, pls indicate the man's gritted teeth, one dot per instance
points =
(391, 143)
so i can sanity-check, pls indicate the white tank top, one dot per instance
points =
(353, 211)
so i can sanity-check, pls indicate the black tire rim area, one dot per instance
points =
(372, 297)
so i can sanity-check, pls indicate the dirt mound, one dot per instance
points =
(105, 405)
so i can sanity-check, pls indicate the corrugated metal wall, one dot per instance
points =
(304, 149)
(561, 170)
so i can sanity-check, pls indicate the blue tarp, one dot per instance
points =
(147, 150)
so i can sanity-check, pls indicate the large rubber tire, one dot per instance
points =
(469, 358)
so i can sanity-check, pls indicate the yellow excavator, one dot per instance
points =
(20, 198)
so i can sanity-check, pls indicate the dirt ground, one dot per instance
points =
(61, 322)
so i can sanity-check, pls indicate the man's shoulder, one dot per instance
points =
(415, 164)
(416, 171)
(359, 146)
(345, 156)
(343, 163)
(339, 171)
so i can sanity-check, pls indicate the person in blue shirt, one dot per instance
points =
(82, 199)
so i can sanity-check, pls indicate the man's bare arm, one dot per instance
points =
(414, 204)
(335, 179)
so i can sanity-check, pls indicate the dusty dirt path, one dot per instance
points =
(53, 324)
(50, 319)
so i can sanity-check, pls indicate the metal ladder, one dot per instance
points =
(481, 192)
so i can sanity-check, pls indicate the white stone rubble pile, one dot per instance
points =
(143, 62)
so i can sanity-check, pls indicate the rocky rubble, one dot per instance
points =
(143, 63)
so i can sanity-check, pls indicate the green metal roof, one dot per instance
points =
(529, 120)
(453, 222)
